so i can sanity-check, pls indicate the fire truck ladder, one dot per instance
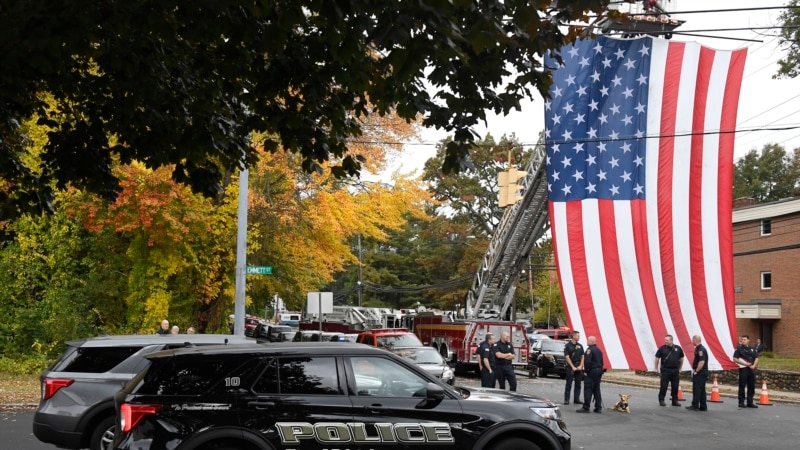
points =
(523, 223)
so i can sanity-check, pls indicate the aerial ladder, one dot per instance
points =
(524, 222)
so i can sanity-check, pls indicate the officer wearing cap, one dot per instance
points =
(671, 358)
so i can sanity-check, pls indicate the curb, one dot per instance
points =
(774, 398)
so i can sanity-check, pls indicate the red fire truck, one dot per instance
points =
(458, 341)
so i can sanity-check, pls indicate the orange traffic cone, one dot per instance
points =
(715, 392)
(680, 393)
(764, 399)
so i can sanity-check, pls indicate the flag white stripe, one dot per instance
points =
(630, 280)
(567, 281)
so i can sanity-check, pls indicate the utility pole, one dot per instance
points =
(360, 281)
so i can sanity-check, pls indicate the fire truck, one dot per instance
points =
(457, 341)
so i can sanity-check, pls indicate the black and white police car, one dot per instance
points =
(320, 396)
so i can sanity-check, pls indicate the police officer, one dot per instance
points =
(573, 351)
(747, 358)
(699, 375)
(504, 355)
(671, 358)
(593, 358)
(487, 361)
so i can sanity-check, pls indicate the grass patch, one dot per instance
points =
(769, 360)
(18, 388)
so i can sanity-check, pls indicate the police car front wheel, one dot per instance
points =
(515, 443)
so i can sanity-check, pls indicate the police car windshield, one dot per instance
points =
(553, 346)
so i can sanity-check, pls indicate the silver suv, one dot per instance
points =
(76, 409)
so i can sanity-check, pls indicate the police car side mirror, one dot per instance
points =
(434, 392)
(433, 396)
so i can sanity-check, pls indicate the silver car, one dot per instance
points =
(430, 360)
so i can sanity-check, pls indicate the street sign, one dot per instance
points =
(259, 270)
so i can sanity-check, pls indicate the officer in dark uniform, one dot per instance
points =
(593, 360)
(747, 358)
(699, 375)
(504, 355)
(573, 351)
(671, 358)
(487, 361)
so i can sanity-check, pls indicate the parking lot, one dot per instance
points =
(649, 426)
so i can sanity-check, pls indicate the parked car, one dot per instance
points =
(547, 356)
(387, 338)
(307, 336)
(554, 333)
(429, 359)
(76, 409)
(537, 337)
(271, 332)
(250, 325)
(320, 395)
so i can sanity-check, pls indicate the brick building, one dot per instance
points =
(766, 259)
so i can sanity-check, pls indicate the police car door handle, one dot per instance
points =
(258, 404)
(375, 408)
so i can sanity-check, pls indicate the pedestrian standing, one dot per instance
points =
(164, 329)
(486, 360)
(503, 367)
(760, 347)
(573, 352)
(175, 329)
(671, 358)
(747, 358)
(593, 359)
(699, 375)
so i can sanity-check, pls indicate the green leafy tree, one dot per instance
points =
(471, 194)
(767, 176)
(789, 66)
(183, 84)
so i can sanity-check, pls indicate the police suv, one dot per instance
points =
(320, 396)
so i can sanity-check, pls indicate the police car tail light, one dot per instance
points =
(52, 385)
(132, 414)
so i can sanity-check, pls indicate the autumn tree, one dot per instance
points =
(184, 84)
(306, 222)
(768, 175)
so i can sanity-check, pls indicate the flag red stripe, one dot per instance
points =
(730, 105)
(580, 270)
(644, 262)
(616, 288)
(669, 110)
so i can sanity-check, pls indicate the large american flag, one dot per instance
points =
(639, 136)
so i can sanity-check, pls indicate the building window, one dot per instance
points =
(766, 280)
(766, 227)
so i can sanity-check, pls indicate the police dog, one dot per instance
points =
(623, 405)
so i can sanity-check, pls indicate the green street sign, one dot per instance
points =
(259, 270)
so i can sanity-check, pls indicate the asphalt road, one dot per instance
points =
(649, 426)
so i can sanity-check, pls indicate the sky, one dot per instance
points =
(764, 102)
